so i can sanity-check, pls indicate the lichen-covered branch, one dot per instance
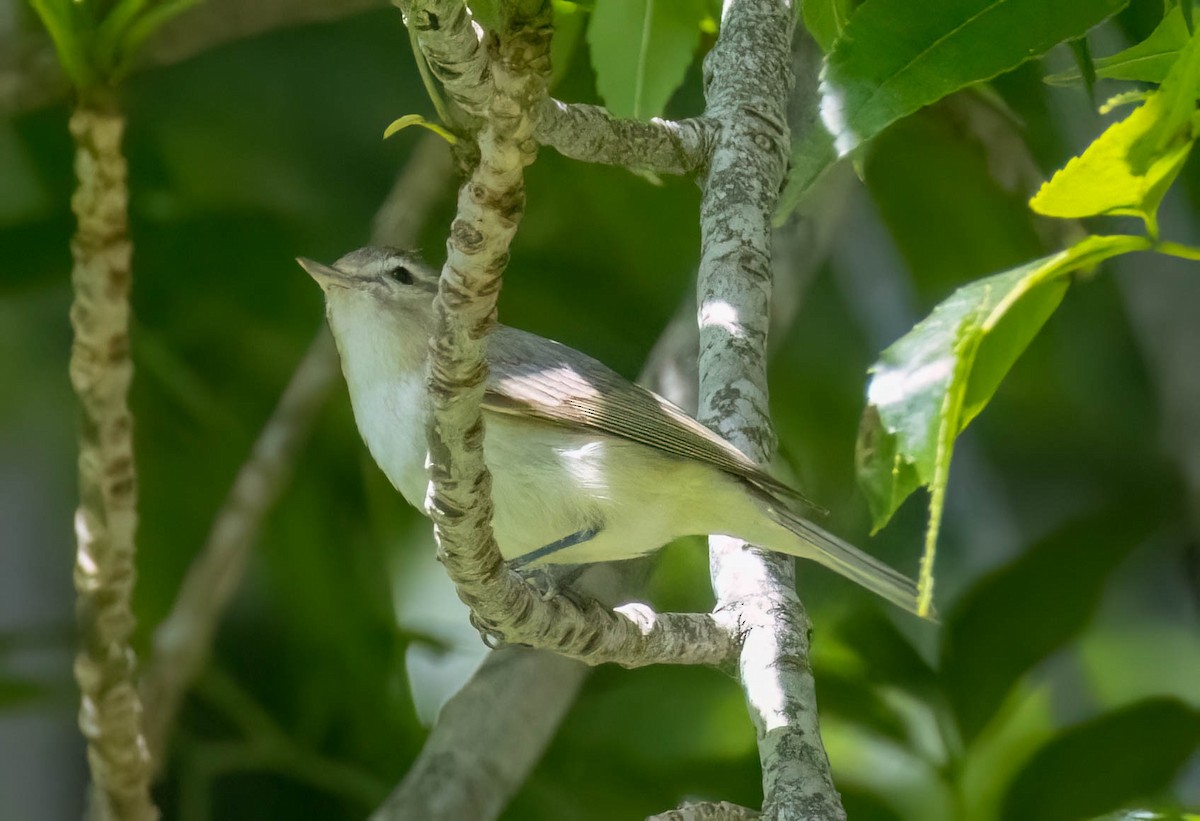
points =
(591, 134)
(105, 523)
(493, 731)
(721, 811)
(183, 641)
(748, 76)
(453, 45)
(490, 204)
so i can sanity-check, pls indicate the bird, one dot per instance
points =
(586, 465)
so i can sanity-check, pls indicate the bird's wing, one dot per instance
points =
(533, 376)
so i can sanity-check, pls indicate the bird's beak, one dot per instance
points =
(324, 274)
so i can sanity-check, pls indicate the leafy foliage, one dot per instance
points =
(929, 385)
(1148, 61)
(889, 62)
(640, 51)
(97, 42)
(1123, 755)
(1031, 608)
(1066, 619)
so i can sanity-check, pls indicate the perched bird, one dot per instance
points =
(586, 465)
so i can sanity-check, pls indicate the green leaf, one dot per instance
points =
(416, 119)
(1019, 615)
(111, 31)
(1128, 169)
(894, 58)
(1132, 97)
(641, 50)
(63, 20)
(1148, 61)
(143, 26)
(1177, 97)
(1103, 764)
(812, 153)
(825, 20)
(964, 347)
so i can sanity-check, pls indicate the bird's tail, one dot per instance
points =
(847, 560)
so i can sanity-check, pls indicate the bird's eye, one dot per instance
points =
(400, 274)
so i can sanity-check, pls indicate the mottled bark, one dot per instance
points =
(748, 81)
(722, 811)
(490, 205)
(105, 523)
(590, 134)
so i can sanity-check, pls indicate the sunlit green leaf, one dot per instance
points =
(1105, 763)
(1173, 124)
(1128, 168)
(1031, 607)
(986, 325)
(1148, 61)
(416, 119)
(641, 50)
(894, 58)
(1114, 102)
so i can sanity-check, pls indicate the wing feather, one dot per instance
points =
(533, 376)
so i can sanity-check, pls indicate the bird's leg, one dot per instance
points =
(550, 581)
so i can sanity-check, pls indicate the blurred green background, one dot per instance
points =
(1068, 569)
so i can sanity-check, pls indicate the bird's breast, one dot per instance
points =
(391, 418)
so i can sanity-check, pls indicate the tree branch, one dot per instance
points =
(183, 642)
(489, 207)
(722, 811)
(591, 134)
(510, 709)
(748, 76)
(101, 370)
(452, 43)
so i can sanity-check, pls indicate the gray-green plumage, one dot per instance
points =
(586, 465)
